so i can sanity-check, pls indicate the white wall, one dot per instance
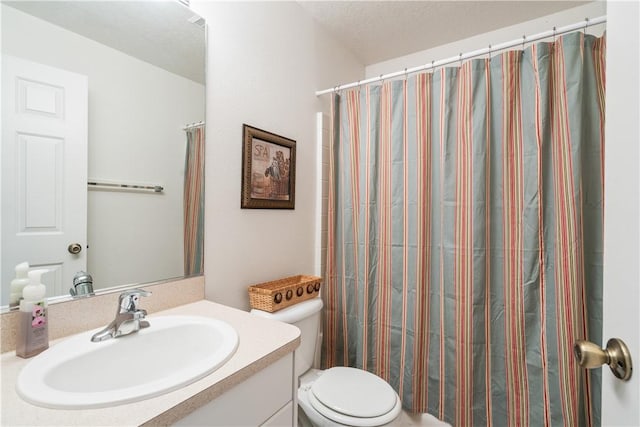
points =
(545, 23)
(265, 61)
(136, 112)
(622, 213)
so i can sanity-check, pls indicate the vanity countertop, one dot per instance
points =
(261, 343)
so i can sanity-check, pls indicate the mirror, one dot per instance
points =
(99, 101)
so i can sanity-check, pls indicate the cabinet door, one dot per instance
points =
(284, 417)
(252, 402)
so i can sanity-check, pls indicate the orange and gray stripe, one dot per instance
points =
(423, 244)
(463, 244)
(539, 137)
(512, 181)
(193, 213)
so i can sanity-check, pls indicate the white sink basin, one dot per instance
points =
(173, 352)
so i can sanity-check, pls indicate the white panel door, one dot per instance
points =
(44, 171)
(621, 400)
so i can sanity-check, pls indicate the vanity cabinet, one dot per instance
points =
(267, 398)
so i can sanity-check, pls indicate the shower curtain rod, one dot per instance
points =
(473, 54)
(193, 125)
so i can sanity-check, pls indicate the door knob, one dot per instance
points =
(616, 355)
(74, 248)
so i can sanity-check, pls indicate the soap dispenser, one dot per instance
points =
(18, 284)
(33, 330)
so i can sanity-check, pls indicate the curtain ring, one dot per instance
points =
(524, 40)
(405, 73)
(460, 59)
(554, 34)
(489, 53)
(433, 67)
(586, 24)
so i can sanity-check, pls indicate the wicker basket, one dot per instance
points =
(279, 294)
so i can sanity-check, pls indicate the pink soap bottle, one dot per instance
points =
(33, 328)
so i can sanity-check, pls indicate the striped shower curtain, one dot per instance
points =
(465, 222)
(194, 202)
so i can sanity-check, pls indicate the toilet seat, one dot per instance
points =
(354, 397)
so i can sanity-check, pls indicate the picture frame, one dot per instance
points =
(268, 170)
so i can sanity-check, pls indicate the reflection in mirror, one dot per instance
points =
(110, 94)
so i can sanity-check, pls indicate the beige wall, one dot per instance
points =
(265, 61)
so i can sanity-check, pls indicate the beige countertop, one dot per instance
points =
(261, 343)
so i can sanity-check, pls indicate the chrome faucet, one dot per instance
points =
(82, 285)
(129, 318)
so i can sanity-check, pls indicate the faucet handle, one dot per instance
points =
(129, 300)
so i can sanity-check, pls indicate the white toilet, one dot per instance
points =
(340, 395)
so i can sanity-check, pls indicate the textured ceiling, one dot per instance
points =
(156, 32)
(376, 31)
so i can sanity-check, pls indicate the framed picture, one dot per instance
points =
(268, 170)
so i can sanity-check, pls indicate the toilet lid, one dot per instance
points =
(354, 392)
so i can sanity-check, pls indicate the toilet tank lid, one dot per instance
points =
(294, 313)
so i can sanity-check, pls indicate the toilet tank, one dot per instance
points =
(306, 316)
